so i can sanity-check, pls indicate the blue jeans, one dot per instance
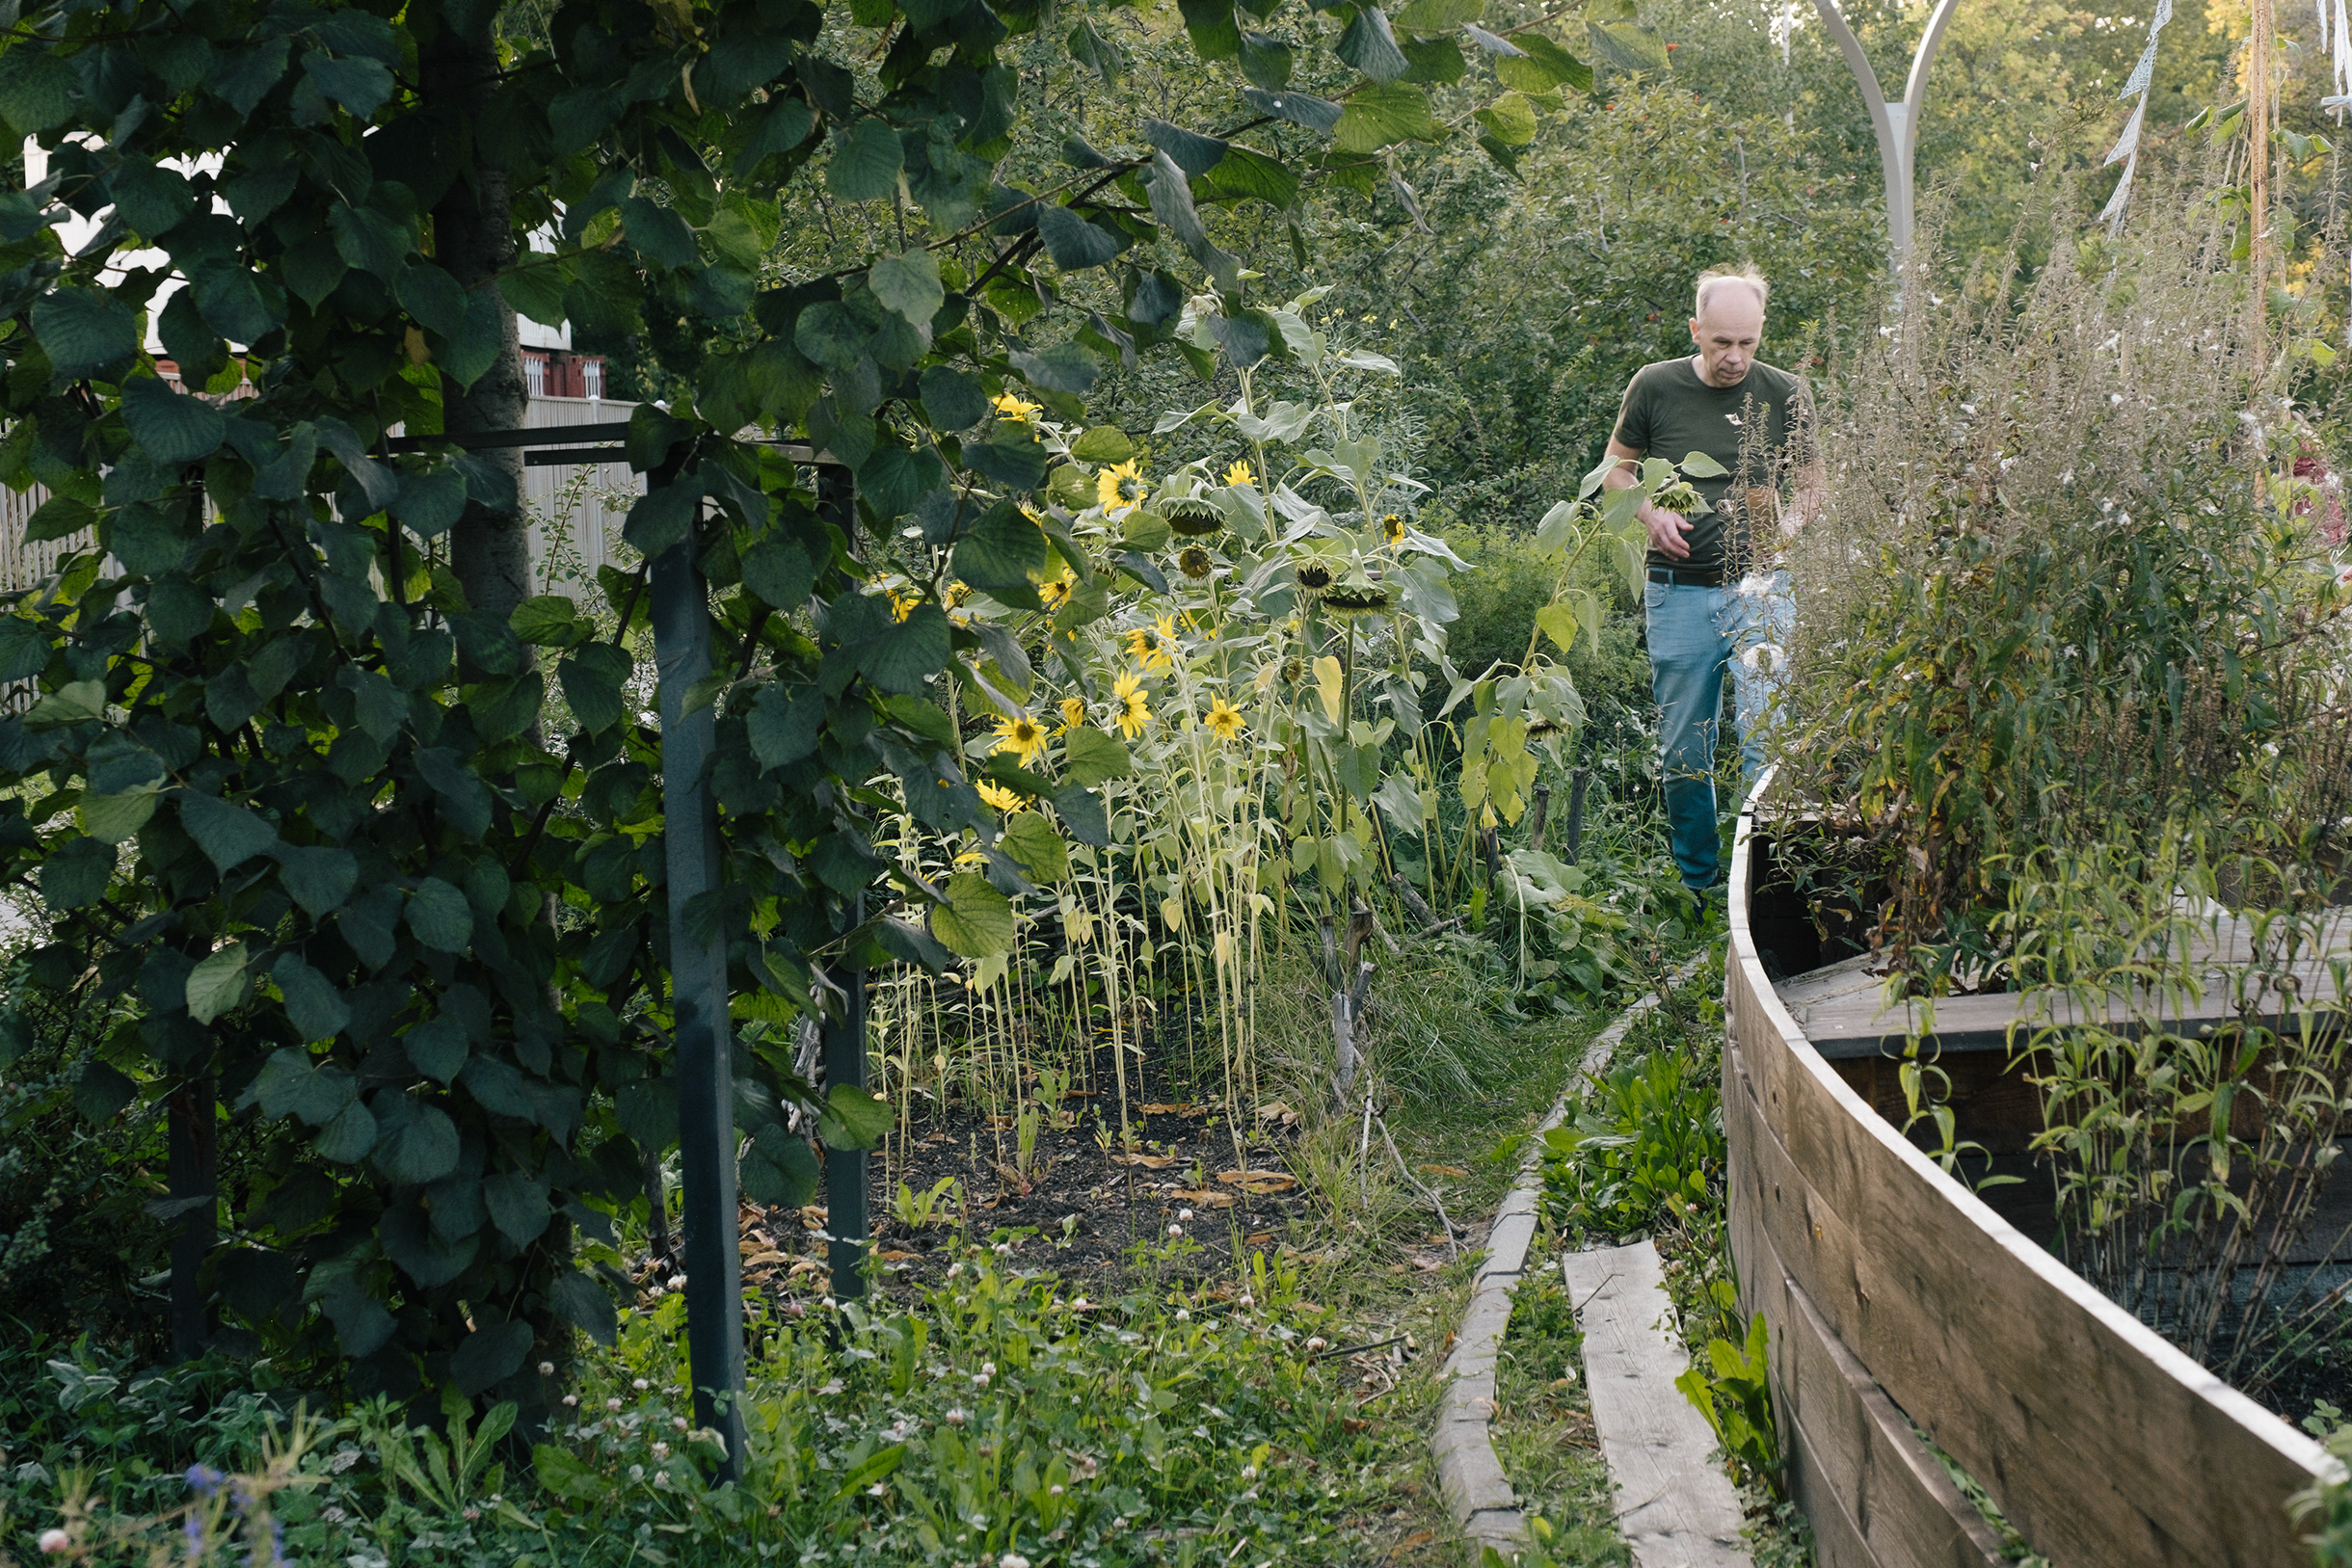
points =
(1694, 634)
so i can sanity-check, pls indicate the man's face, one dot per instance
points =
(1728, 332)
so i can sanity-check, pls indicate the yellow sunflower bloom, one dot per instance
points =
(1023, 736)
(1001, 798)
(1241, 474)
(902, 605)
(1134, 709)
(1153, 646)
(1056, 593)
(1009, 405)
(1224, 720)
(1120, 490)
(1392, 528)
(1073, 714)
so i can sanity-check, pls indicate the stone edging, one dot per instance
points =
(1477, 1491)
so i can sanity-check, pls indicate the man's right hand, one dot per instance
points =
(1666, 531)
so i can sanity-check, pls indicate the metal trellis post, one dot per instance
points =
(1895, 125)
(698, 989)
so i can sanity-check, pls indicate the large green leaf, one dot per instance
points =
(38, 89)
(439, 916)
(593, 678)
(975, 920)
(1382, 114)
(852, 1118)
(908, 652)
(76, 875)
(1036, 848)
(83, 329)
(229, 834)
(1628, 46)
(1073, 243)
(1001, 550)
(777, 1169)
(291, 1084)
(909, 284)
(316, 877)
(1368, 44)
(315, 1007)
(865, 161)
(175, 427)
(1090, 756)
(436, 1048)
(217, 983)
(519, 1207)
(415, 1143)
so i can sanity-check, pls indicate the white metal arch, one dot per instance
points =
(1896, 124)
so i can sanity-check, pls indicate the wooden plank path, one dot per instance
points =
(1675, 1507)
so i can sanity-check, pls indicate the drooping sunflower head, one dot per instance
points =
(1193, 562)
(1120, 489)
(1355, 598)
(1392, 528)
(1193, 519)
(1224, 720)
(1240, 473)
(1681, 497)
(1001, 798)
(1020, 736)
(1072, 713)
(1313, 576)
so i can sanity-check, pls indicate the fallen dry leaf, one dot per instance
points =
(897, 1257)
(763, 1259)
(1205, 1198)
(1150, 1162)
(1443, 1170)
(1256, 1237)
(1353, 1424)
(1419, 1538)
(1186, 1110)
(1258, 1181)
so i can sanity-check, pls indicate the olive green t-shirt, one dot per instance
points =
(1668, 412)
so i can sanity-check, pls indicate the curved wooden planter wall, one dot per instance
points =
(1893, 1291)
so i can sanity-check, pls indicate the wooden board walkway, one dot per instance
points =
(1674, 1504)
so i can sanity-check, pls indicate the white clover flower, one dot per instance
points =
(1012, 1560)
(678, 1282)
(54, 1541)
(661, 1450)
(1184, 1214)
(572, 1401)
(661, 1478)
(1317, 1342)
(1175, 1229)
(953, 1418)
(546, 1369)
(1184, 1315)
(612, 1405)
(641, 1385)
(954, 1269)
(678, 1422)
(636, 1473)
(1247, 1301)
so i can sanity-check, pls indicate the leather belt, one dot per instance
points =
(1686, 577)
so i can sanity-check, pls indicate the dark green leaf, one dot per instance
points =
(359, 86)
(436, 1048)
(435, 300)
(1557, 66)
(548, 621)
(535, 289)
(1001, 550)
(852, 1118)
(658, 233)
(647, 1111)
(909, 284)
(317, 877)
(1380, 116)
(584, 1305)
(1370, 46)
(777, 1169)
(229, 834)
(592, 678)
(1083, 815)
(1091, 757)
(38, 89)
(664, 517)
(439, 916)
(1030, 841)
(76, 875)
(1015, 460)
(1065, 368)
(779, 572)
(784, 723)
(415, 1143)
(1073, 243)
(951, 398)
(1266, 60)
(82, 329)
(60, 516)
(865, 161)
(217, 983)
(518, 1205)
(1215, 34)
(976, 920)
(490, 1355)
(1192, 152)
(174, 427)
(150, 197)
(1627, 45)
(315, 1007)
(100, 1092)
(908, 652)
(1299, 108)
(24, 646)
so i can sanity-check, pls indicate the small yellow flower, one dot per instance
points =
(902, 605)
(1153, 647)
(1224, 720)
(1073, 714)
(1392, 528)
(1120, 490)
(1134, 710)
(1057, 592)
(1023, 736)
(1001, 798)
(1008, 405)
(1241, 474)
(957, 593)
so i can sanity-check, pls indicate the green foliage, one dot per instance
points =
(1732, 1387)
(998, 1414)
(1644, 1149)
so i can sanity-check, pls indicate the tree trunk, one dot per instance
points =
(473, 237)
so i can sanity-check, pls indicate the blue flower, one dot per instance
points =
(205, 1480)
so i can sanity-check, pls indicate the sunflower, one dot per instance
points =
(1056, 593)
(1241, 474)
(1120, 490)
(1224, 720)
(1313, 576)
(1193, 519)
(1355, 598)
(1193, 561)
(1392, 528)
(1001, 798)
(1073, 714)
(1152, 645)
(902, 605)
(1023, 736)
(1008, 405)
(1134, 711)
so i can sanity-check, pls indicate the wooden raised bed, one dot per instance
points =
(1893, 1292)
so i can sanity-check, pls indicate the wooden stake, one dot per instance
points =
(2260, 38)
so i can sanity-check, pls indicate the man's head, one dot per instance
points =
(1728, 323)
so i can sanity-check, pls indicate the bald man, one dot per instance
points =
(1716, 594)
